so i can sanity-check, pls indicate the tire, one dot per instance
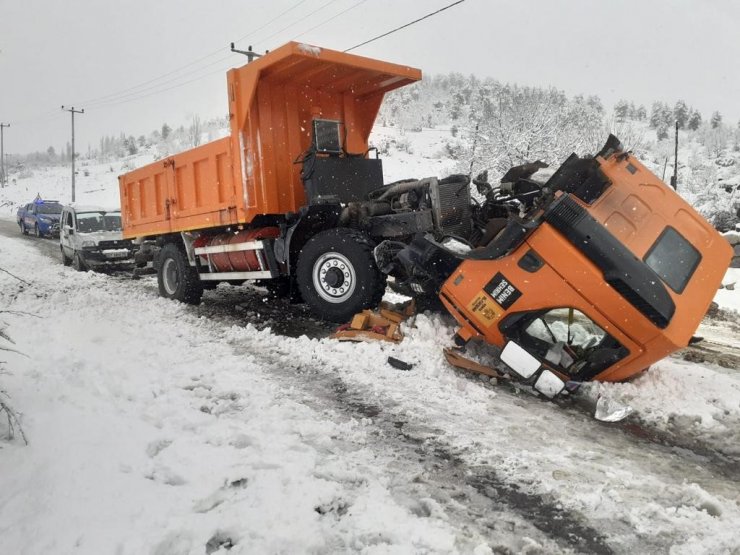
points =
(177, 279)
(37, 231)
(77, 262)
(24, 231)
(66, 260)
(337, 276)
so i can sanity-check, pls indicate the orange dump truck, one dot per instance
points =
(598, 270)
(286, 196)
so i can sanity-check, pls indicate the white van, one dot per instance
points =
(90, 238)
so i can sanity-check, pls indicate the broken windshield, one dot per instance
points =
(567, 339)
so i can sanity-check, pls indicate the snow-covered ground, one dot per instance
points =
(153, 429)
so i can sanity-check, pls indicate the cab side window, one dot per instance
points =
(68, 220)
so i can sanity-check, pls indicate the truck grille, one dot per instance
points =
(451, 201)
(122, 244)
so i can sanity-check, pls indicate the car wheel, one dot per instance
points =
(24, 231)
(37, 231)
(177, 279)
(337, 275)
(66, 260)
(77, 262)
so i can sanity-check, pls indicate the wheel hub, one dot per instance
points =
(170, 276)
(334, 277)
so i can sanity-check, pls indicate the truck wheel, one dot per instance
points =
(66, 260)
(176, 277)
(337, 275)
(77, 262)
(37, 231)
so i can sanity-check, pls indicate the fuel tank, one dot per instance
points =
(234, 260)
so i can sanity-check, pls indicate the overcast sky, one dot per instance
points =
(114, 59)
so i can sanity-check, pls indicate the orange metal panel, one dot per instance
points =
(272, 103)
(187, 191)
(637, 211)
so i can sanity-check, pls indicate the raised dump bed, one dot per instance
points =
(274, 103)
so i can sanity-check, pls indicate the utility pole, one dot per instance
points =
(248, 53)
(72, 111)
(674, 178)
(3, 178)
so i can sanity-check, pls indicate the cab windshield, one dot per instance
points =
(88, 222)
(566, 339)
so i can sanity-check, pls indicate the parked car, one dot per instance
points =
(41, 217)
(90, 238)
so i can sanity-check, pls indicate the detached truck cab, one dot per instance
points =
(610, 273)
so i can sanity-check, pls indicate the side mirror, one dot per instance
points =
(519, 360)
(549, 384)
(69, 230)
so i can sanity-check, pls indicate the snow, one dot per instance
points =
(309, 49)
(153, 429)
(148, 436)
(730, 298)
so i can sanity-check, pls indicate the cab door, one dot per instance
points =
(66, 233)
(29, 218)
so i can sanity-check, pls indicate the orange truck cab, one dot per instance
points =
(609, 273)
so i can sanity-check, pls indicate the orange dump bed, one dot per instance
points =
(272, 104)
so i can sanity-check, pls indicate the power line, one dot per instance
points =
(191, 63)
(115, 98)
(281, 14)
(406, 25)
(131, 97)
(295, 22)
(330, 19)
(117, 102)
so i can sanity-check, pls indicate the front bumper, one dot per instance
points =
(51, 229)
(110, 258)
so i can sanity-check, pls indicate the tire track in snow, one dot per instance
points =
(481, 486)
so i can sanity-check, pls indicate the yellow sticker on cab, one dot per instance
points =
(483, 307)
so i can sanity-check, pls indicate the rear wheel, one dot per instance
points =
(177, 279)
(24, 231)
(337, 275)
(66, 260)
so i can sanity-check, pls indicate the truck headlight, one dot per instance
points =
(88, 244)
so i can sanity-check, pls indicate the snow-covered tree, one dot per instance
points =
(622, 110)
(716, 120)
(681, 114)
(694, 120)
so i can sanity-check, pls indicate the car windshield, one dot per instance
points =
(49, 208)
(98, 221)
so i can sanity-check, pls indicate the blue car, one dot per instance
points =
(41, 217)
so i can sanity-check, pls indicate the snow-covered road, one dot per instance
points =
(155, 429)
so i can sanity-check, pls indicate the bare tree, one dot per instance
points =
(195, 130)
